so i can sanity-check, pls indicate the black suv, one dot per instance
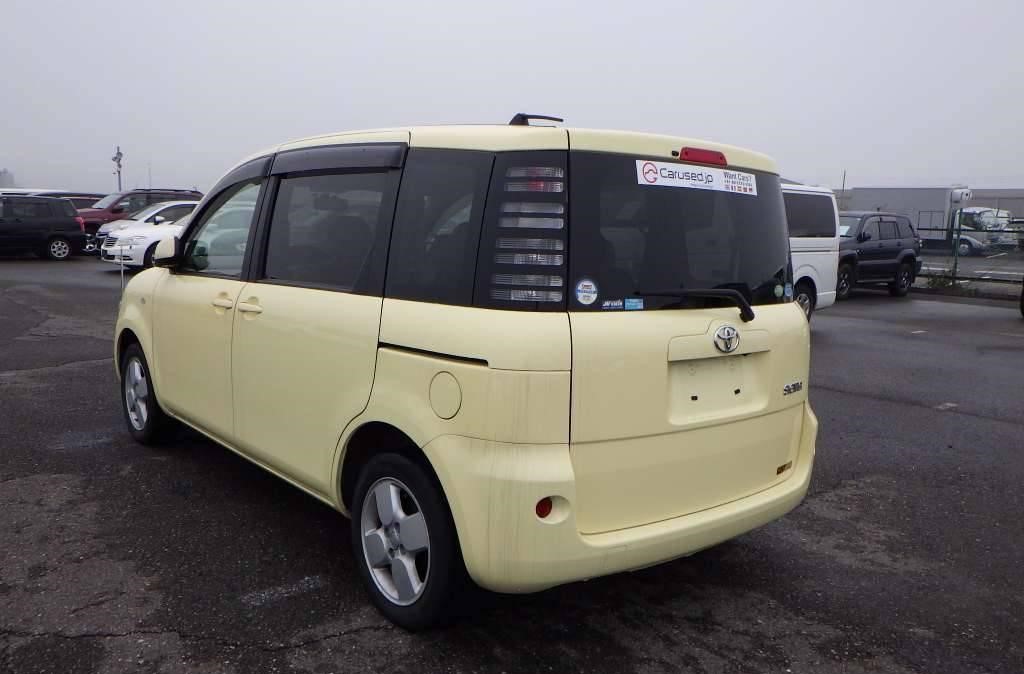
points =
(877, 248)
(47, 226)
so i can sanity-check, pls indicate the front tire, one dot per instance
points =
(965, 248)
(147, 259)
(904, 279)
(58, 248)
(844, 281)
(146, 421)
(404, 543)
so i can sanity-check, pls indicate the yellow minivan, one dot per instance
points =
(519, 355)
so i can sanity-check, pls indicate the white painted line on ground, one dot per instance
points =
(989, 257)
(918, 332)
(946, 406)
(261, 597)
(1011, 334)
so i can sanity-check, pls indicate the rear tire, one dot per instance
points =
(58, 248)
(844, 281)
(806, 298)
(904, 279)
(404, 543)
(146, 420)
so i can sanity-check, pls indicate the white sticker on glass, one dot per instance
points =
(662, 174)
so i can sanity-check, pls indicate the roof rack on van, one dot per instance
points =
(523, 119)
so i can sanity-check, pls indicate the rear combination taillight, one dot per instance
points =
(81, 222)
(532, 260)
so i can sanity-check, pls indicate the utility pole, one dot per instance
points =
(117, 163)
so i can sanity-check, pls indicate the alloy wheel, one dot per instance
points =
(396, 543)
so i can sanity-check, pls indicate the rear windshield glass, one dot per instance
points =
(639, 227)
(810, 215)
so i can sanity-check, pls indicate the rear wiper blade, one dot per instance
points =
(734, 296)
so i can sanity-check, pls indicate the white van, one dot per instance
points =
(814, 244)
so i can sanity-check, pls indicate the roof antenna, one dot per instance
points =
(523, 119)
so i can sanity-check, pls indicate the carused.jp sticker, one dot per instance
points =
(663, 174)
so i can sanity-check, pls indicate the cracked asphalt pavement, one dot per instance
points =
(905, 557)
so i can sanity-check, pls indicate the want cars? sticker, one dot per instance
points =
(663, 174)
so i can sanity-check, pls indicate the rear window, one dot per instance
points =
(631, 234)
(63, 207)
(810, 215)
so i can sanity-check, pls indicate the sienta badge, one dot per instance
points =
(586, 291)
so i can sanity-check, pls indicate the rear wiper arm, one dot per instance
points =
(734, 296)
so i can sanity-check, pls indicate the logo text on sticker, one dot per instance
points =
(663, 174)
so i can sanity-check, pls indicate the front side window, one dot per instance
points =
(330, 230)
(870, 231)
(217, 246)
(810, 215)
(631, 236)
(437, 226)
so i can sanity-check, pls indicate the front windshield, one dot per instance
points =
(846, 223)
(107, 201)
(631, 233)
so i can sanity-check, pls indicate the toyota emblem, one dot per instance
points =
(727, 339)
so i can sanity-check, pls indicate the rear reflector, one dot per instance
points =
(548, 280)
(532, 208)
(531, 244)
(542, 259)
(535, 186)
(544, 507)
(701, 156)
(535, 172)
(517, 295)
(532, 223)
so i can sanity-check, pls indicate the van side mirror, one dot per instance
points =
(167, 253)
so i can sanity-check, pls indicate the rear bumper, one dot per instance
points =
(493, 488)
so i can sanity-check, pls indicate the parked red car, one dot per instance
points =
(120, 204)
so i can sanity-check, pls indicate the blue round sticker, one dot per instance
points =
(586, 291)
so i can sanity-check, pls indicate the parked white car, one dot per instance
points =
(164, 212)
(133, 245)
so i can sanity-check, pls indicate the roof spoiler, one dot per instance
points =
(523, 119)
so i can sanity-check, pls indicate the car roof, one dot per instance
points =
(861, 214)
(795, 187)
(33, 197)
(496, 138)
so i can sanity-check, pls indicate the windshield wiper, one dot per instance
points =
(734, 296)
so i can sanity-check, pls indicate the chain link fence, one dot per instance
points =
(974, 251)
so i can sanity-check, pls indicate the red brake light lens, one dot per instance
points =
(81, 222)
(702, 156)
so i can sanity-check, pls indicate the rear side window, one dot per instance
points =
(64, 207)
(330, 230)
(28, 208)
(905, 229)
(437, 226)
(810, 215)
(524, 243)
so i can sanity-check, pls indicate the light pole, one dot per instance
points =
(117, 163)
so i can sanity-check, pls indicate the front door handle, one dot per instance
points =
(223, 303)
(248, 308)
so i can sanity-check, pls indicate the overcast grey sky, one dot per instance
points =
(895, 92)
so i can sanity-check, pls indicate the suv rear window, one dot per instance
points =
(627, 236)
(64, 207)
(810, 215)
